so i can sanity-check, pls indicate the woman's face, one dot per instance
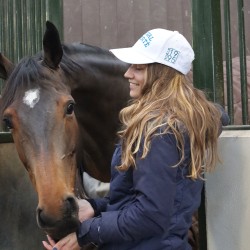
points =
(136, 75)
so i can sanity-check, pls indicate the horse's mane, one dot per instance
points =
(76, 58)
(79, 56)
(24, 76)
(28, 74)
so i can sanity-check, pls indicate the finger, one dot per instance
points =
(61, 243)
(47, 246)
(51, 241)
(69, 242)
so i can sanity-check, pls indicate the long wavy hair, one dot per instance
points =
(170, 104)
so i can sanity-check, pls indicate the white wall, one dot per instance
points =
(228, 194)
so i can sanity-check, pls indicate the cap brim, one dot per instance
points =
(131, 56)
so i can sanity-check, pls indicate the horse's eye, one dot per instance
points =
(8, 123)
(70, 108)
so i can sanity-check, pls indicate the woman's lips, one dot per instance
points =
(135, 84)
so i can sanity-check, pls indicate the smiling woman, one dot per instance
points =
(136, 75)
(168, 139)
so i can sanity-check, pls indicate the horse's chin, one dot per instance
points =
(62, 229)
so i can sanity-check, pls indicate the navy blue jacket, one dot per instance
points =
(149, 207)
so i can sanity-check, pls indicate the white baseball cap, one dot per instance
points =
(159, 46)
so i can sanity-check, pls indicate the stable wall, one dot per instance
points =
(228, 195)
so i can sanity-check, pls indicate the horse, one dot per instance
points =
(62, 107)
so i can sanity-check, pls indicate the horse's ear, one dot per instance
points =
(52, 46)
(6, 67)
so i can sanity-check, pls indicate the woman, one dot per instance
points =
(168, 140)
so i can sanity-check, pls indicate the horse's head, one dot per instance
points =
(38, 108)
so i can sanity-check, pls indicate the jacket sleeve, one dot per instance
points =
(155, 187)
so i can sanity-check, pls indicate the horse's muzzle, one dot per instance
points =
(59, 228)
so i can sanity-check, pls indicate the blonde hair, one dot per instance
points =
(169, 101)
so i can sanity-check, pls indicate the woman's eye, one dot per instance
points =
(8, 123)
(70, 108)
(140, 67)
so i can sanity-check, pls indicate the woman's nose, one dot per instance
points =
(128, 74)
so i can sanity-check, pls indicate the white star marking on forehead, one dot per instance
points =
(31, 97)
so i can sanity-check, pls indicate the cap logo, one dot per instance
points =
(171, 55)
(146, 39)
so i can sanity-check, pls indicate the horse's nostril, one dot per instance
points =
(41, 218)
(67, 211)
(38, 212)
(71, 206)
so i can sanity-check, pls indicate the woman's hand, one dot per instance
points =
(67, 243)
(86, 211)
